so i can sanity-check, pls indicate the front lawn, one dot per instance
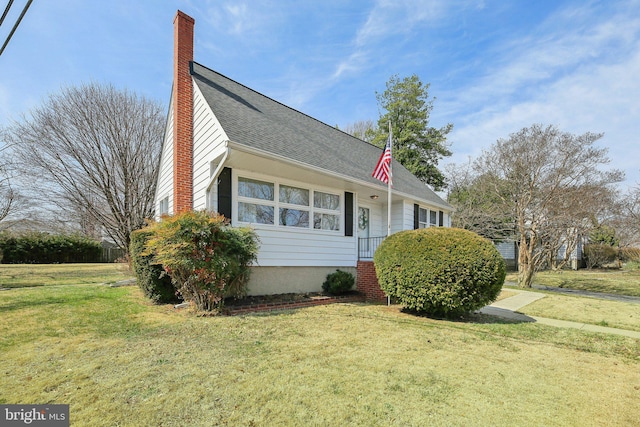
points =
(620, 282)
(117, 360)
(26, 275)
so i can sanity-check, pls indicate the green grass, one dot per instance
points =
(621, 315)
(621, 282)
(28, 275)
(117, 360)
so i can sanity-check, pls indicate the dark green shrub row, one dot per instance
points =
(338, 283)
(151, 277)
(440, 271)
(44, 248)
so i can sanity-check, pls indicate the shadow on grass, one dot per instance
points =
(497, 316)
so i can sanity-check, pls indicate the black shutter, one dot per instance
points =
(224, 193)
(441, 219)
(416, 217)
(348, 214)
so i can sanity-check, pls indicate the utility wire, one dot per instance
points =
(6, 10)
(15, 27)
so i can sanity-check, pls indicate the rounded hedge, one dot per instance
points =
(338, 283)
(440, 271)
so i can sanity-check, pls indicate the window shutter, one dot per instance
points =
(348, 214)
(416, 216)
(441, 219)
(224, 193)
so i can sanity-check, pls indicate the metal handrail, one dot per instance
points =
(367, 246)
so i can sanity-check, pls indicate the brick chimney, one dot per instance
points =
(182, 113)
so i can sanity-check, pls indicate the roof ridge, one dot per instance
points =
(282, 104)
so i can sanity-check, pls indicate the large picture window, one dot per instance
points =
(262, 202)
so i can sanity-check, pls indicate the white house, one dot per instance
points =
(304, 186)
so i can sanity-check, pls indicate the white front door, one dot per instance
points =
(364, 223)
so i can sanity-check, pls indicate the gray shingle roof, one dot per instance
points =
(257, 121)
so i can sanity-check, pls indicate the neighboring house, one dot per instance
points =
(509, 251)
(304, 186)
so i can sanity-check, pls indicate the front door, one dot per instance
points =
(363, 232)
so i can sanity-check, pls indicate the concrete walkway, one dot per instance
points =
(508, 309)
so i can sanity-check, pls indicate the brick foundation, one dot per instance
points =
(367, 282)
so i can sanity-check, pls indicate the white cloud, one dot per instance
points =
(579, 72)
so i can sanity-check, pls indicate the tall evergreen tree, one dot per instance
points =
(416, 145)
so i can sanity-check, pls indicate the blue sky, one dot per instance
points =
(495, 66)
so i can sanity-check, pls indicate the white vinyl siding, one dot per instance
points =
(208, 145)
(299, 242)
(164, 188)
(290, 247)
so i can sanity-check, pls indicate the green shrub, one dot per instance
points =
(598, 255)
(206, 259)
(151, 277)
(440, 271)
(338, 283)
(45, 248)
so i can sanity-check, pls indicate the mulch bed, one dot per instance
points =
(260, 303)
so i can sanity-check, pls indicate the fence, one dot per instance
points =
(112, 254)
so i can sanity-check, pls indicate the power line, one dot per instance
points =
(6, 10)
(15, 27)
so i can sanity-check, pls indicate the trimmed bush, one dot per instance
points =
(45, 248)
(598, 255)
(151, 277)
(440, 271)
(338, 283)
(206, 259)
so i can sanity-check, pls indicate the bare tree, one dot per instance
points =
(477, 205)
(626, 220)
(10, 200)
(95, 150)
(544, 180)
(362, 129)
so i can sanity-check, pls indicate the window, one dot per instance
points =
(259, 202)
(254, 189)
(326, 214)
(163, 206)
(294, 206)
(422, 218)
(433, 218)
(252, 195)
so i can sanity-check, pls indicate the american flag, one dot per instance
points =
(381, 171)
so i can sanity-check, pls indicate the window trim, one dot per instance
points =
(163, 201)
(277, 204)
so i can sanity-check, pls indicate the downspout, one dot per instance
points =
(216, 172)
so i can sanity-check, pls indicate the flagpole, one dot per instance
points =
(389, 192)
(389, 183)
